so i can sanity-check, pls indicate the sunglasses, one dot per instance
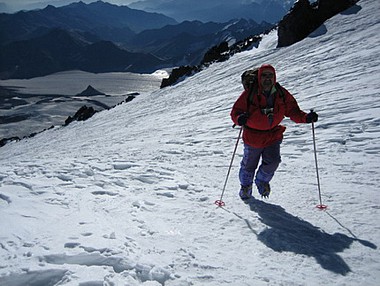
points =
(267, 75)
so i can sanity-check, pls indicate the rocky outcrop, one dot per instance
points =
(5, 141)
(218, 53)
(82, 114)
(304, 18)
(177, 74)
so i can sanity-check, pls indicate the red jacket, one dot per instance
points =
(261, 131)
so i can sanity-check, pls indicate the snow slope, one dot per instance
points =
(127, 197)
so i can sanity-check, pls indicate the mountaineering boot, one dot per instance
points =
(245, 192)
(263, 188)
(262, 182)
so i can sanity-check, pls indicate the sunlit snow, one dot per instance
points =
(127, 197)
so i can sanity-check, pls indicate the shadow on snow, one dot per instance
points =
(286, 232)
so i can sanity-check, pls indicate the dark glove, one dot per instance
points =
(242, 119)
(311, 117)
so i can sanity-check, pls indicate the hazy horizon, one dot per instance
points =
(11, 6)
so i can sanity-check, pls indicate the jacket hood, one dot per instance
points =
(266, 67)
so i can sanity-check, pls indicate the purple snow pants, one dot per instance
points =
(270, 159)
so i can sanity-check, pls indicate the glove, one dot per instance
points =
(242, 119)
(311, 117)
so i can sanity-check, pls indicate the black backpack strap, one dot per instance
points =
(281, 91)
(251, 92)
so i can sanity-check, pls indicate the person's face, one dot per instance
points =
(267, 79)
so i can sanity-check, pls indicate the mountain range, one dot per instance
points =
(61, 50)
(205, 11)
(218, 10)
(118, 37)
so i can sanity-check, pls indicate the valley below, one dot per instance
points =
(29, 106)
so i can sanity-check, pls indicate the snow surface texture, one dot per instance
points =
(127, 197)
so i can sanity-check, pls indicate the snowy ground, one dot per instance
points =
(127, 197)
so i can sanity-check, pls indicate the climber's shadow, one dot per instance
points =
(286, 232)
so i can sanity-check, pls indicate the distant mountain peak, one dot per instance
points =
(90, 91)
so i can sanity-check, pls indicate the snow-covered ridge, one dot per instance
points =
(126, 198)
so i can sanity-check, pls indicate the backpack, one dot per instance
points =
(249, 79)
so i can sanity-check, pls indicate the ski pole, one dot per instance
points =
(320, 206)
(220, 202)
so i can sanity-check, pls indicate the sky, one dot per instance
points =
(127, 197)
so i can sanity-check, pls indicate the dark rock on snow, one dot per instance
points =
(304, 18)
(82, 114)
